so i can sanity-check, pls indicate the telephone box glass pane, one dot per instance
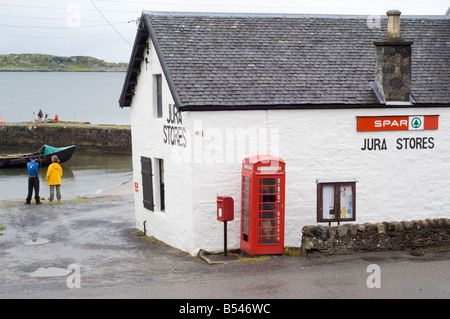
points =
(245, 202)
(269, 181)
(246, 184)
(268, 215)
(269, 211)
(269, 206)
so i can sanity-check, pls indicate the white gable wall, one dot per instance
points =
(173, 225)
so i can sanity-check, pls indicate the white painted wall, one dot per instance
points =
(173, 225)
(393, 185)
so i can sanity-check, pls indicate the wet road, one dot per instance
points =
(92, 244)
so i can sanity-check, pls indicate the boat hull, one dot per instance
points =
(21, 160)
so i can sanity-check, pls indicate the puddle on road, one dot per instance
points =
(50, 272)
(37, 241)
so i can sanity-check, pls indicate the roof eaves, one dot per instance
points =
(133, 66)
(307, 106)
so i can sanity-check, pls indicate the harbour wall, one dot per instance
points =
(114, 139)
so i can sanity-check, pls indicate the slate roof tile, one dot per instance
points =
(238, 59)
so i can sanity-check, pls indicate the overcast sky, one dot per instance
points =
(106, 29)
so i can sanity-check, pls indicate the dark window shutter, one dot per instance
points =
(147, 184)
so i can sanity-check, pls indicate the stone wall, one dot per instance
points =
(348, 238)
(104, 138)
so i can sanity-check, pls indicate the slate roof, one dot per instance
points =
(234, 60)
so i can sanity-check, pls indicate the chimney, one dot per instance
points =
(393, 64)
(393, 24)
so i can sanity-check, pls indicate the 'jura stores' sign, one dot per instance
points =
(398, 123)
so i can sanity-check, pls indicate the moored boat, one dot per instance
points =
(43, 155)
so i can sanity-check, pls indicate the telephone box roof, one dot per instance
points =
(264, 158)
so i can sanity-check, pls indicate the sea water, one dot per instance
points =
(74, 96)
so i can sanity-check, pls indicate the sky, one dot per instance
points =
(105, 29)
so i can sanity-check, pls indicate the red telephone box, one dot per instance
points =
(262, 205)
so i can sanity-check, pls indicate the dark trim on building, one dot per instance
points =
(145, 30)
(205, 108)
(134, 66)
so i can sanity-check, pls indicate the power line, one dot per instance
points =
(195, 5)
(225, 5)
(42, 27)
(63, 37)
(112, 26)
(56, 19)
(60, 8)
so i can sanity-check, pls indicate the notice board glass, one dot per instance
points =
(336, 201)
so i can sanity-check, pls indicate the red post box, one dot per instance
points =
(225, 208)
(225, 212)
(262, 205)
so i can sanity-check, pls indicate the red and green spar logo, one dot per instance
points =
(397, 123)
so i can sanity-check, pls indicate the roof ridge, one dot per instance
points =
(284, 15)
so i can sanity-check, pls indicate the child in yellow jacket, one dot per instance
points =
(54, 174)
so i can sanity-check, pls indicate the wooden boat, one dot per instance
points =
(43, 155)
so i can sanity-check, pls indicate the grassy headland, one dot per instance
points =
(52, 63)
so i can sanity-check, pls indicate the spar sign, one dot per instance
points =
(397, 123)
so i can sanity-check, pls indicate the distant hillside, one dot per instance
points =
(44, 62)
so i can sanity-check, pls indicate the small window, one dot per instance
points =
(157, 93)
(336, 201)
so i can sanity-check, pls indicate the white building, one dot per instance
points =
(208, 90)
